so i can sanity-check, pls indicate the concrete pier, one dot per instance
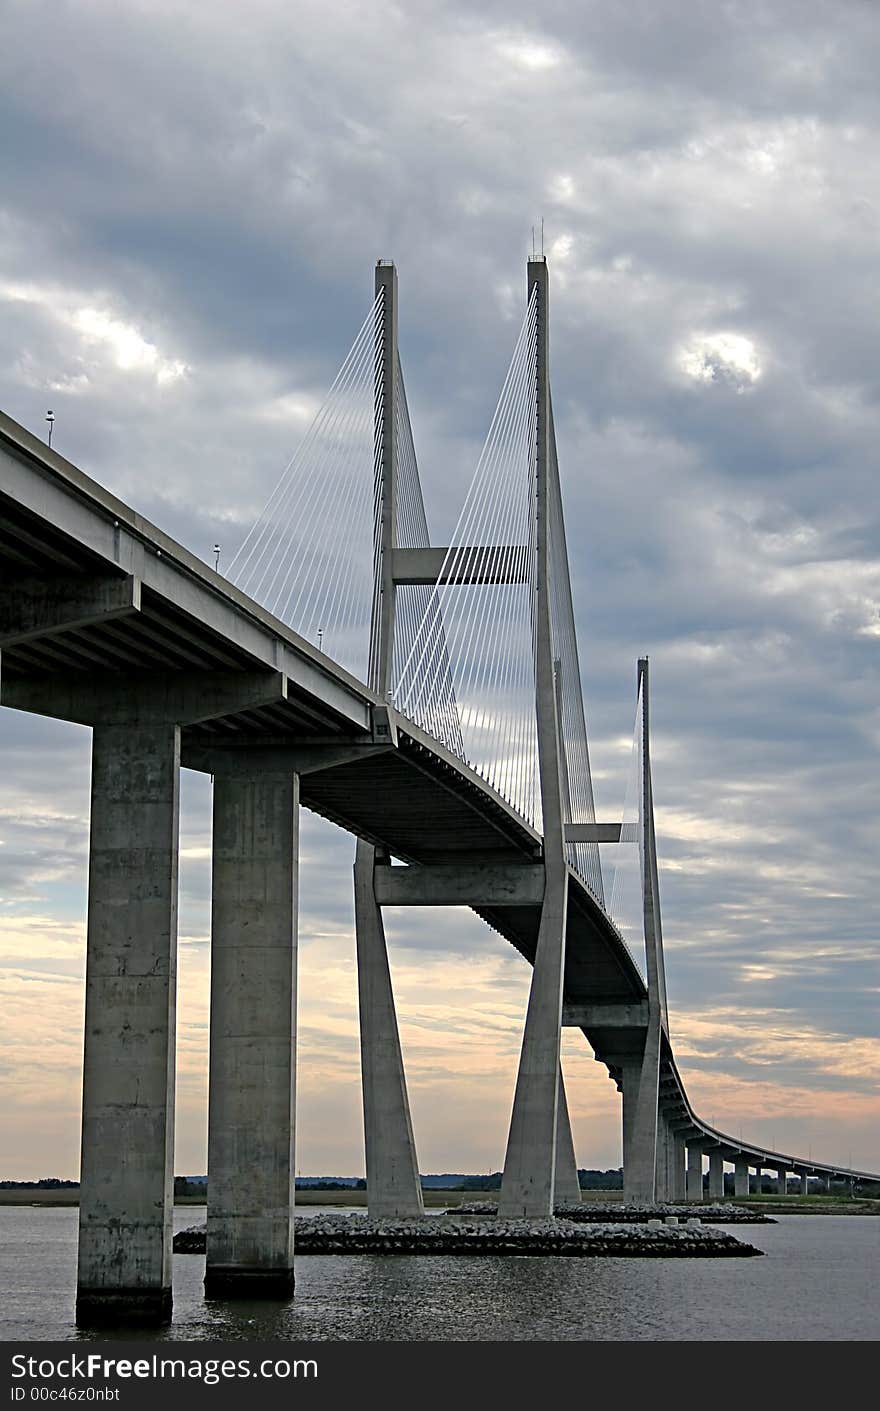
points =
(781, 1183)
(641, 1119)
(678, 1186)
(567, 1189)
(528, 1184)
(393, 1185)
(716, 1175)
(741, 1176)
(128, 1076)
(694, 1173)
(663, 1168)
(641, 1116)
(253, 1045)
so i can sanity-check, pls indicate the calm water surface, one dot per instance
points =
(817, 1283)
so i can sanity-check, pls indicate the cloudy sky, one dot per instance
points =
(193, 198)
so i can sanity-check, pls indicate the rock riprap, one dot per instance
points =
(595, 1212)
(455, 1234)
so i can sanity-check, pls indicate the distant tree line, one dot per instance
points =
(48, 1183)
(588, 1180)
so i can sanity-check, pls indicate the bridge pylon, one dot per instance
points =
(644, 1137)
(528, 1184)
(393, 1184)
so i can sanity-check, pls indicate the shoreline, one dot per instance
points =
(435, 1199)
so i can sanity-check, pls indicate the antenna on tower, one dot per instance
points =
(533, 242)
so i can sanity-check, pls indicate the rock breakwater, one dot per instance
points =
(594, 1212)
(447, 1235)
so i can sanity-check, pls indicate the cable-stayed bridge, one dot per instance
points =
(428, 700)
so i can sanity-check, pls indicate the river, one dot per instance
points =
(817, 1283)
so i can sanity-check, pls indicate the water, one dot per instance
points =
(817, 1283)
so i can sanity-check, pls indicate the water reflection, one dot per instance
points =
(817, 1284)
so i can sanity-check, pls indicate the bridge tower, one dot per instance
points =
(529, 1183)
(393, 1185)
(646, 1143)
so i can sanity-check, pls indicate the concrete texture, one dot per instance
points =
(678, 1184)
(393, 1186)
(641, 1115)
(567, 1187)
(716, 1175)
(694, 1173)
(251, 1099)
(741, 1176)
(128, 1076)
(528, 1183)
(382, 644)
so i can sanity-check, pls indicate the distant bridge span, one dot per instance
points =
(106, 621)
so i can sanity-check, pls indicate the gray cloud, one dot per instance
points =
(190, 214)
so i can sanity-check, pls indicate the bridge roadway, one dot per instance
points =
(93, 598)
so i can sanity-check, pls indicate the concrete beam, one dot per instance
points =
(495, 563)
(125, 1205)
(605, 1016)
(233, 758)
(37, 607)
(592, 832)
(251, 1099)
(125, 698)
(485, 884)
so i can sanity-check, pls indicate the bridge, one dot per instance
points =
(426, 699)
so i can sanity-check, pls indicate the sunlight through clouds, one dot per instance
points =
(722, 357)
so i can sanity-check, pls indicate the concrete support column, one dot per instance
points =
(716, 1175)
(641, 1118)
(678, 1187)
(741, 1176)
(128, 1073)
(567, 1188)
(757, 1180)
(662, 1171)
(804, 1184)
(640, 1136)
(694, 1173)
(253, 1045)
(781, 1183)
(393, 1185)
(528, 1185)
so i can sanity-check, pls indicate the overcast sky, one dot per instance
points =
(193, 198)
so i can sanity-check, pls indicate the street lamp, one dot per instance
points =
(50, 417)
